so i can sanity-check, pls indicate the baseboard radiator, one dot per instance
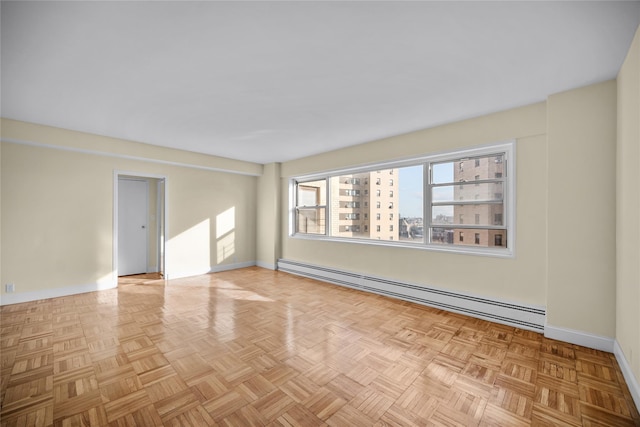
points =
(520, 316)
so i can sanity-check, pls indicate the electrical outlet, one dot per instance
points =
(9, 288)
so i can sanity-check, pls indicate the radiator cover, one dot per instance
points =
(518, 315)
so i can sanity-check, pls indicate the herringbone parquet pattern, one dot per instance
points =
(253, 347)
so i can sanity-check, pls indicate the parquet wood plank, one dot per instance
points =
(298, 416)
(254, 347)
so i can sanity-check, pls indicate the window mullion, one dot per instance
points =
(327, 209)
(428, 214)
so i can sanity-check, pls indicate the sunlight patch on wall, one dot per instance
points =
(107, 281)
(190, 250)
(225, 222)
(225, 234)
(226, 246)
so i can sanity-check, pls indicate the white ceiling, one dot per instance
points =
(275, 81)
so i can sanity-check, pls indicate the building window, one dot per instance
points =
(366, 228)
(378, 193)
(391, 227)
(451, 203)
(377, 228)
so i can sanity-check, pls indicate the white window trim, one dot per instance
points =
(506, 147)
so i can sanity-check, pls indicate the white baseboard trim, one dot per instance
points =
(21, 297)
(213, 269)
(234, 266)
(267, 265)
(513, 314)
(584, 339)
(627, 373)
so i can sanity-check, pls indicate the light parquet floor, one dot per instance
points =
(254, 347)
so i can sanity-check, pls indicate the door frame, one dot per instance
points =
(162, 223)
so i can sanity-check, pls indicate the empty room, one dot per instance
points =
(320, 213)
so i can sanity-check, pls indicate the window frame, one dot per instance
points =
(458, 157)
(296, 207)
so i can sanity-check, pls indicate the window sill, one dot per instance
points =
(454, 249)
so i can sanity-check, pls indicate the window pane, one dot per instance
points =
(313, 193)
(469, 237)
(442, 172)
(410, 185)
(366, 206)
(310, 220)
(464, 192)
(467, 169)
(349, 210)
(483, 214)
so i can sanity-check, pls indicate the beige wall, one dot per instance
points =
(628, 208)
(582, 200)
(558, 264)
(522, 279)
(269, 214)
(57, 208)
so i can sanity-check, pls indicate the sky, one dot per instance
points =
(411, 188)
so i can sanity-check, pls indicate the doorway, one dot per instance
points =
(139, 225)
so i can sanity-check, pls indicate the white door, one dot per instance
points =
(132, 226)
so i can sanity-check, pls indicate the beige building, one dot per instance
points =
(365, 205)
(480, 195)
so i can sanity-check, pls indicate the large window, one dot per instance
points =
(424, 205)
